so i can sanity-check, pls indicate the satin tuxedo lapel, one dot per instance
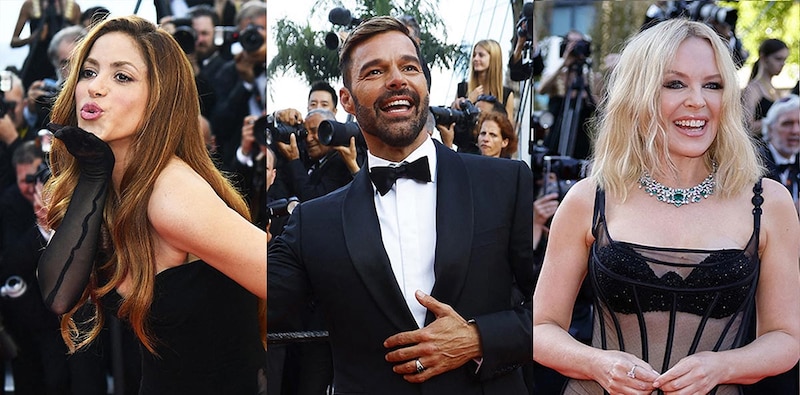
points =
(363, 238)
(454, 227)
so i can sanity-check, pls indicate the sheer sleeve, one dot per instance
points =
(67, 261)
(66, 264)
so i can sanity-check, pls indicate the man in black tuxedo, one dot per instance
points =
(426, 281)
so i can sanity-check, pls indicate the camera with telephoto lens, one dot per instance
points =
(696, 10)
(334, 133)
(282, 207)
(708, 10)
(525, 22)
(184, 34)
(274, 131)
(250, 38)
(466, 116)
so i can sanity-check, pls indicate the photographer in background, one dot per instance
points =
(241, 83)
(571, 83)
(43, 93)
(329, 167)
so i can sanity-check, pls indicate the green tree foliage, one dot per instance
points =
(759, 20)
(301, 48)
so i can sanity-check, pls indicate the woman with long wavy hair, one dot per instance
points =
(146, 227)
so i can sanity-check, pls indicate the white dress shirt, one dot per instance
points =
(407, 217)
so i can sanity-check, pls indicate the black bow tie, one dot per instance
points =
(384, 176)
(783, 167)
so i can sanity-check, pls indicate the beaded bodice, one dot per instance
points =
(662, 304)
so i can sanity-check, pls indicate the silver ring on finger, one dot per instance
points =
(419, 366)
(632, 372)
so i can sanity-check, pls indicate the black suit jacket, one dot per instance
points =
(774, 173)
(332, 249)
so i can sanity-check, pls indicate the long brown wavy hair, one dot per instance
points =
(169, 129)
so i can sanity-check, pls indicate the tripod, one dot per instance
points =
(571, 110)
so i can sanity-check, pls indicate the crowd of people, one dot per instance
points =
(158, 223)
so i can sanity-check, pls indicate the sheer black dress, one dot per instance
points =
(663, 304)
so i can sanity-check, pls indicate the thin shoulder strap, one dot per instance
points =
(599, 209)
(757, 201)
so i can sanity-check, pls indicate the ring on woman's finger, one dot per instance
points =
(632, 372)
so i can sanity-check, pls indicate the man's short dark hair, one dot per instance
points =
(27, 153)
(203, 10)
(324, 86)
(364, 31)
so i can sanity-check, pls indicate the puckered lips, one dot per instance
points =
(691, 126)
(91, 111)
(398, 106)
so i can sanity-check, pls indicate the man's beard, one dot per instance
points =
(397, 133)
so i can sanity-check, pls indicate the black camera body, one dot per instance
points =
(184, 34)
(561, 173)
(582, 49)
(525, 22)
(276, 131)
(282, 207)
(41, 176)
(334, 133)
(708, 10)
(466, 116)
(250, 38)
(5, 86)
(696, 10)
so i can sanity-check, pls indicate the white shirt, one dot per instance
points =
(407, 217)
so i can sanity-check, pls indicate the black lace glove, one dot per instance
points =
(94, 156)
(66, 263)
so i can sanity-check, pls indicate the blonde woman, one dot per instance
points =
(682, 239)
(486, 75)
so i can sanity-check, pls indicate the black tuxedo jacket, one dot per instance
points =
(332, 249)
(774, 173)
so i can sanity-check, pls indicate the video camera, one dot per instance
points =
(274, 130)
(250, 38)
(334, 133)
(525, 22)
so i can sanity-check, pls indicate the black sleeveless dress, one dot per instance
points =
(207, 335)
(663, 304)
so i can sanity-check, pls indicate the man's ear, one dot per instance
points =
(347, 101)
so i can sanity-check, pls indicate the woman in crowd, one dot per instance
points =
(760, 93)
(44, 18)
(145, 225)
(496, 136)
(486, 75)
(681, 238)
